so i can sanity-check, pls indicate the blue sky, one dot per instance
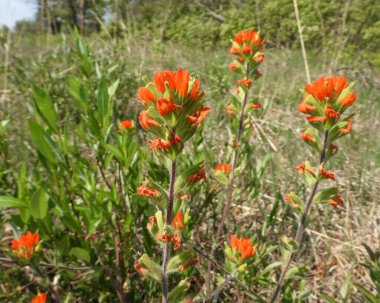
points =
(12, 11)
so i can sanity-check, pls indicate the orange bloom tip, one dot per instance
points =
(327, 174)
(336, 201)
(188, 264)
(349, 99)
(165, 107)
(229, 110)
(234, 50)
(144, 190)
(25, 245)
(333, 147)
(259, 59)
(152, 219)
(326, 88)
(140, 269)
(40, 298)
(331, 113)
(200, 175)
(145, 95)
(178, 220)
(240, 59)
(232, 66)
(126, 124)
(245, 83)
(234, 143)
(347, 129)
(307, 138)
(145, 121)
(256, 105)
(243, 246)
(249, 38)
(160, 144)
(316, 119)
(235, 90)
(223, 167)
(198, 118)
(302, 169)
(288, 197)
(182, 196)
(306, 108)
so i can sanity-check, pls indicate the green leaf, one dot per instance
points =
(8, 201)
(346, 288)
(325, 194)
(81, 253)
(179, 260)
(40, 203)
(179, 292)
(45, 107)
(44, 144)
(102, 99)
(328, 298)
(370, 297)
(154, 270)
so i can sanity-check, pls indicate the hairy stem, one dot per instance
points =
(230, 186)
(166, 249)
(301, 225)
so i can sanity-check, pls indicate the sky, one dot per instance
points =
(12, 11)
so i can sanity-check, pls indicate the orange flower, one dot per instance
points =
(40, 298)
(256, 105)
(25, 245)
(178, 220)
(144, 190)
(177, 81)
(337, 200)
(188, 264)
(234, 143)
(145, 95)
(223, 167)
(160, 144)
(259, 59)
(145, 121)
(240, 59)
(246, 49)
(140, 269)
(316, 119)
(330, 113)
(229, 110)
(126, 124)
(327, 174)
(195, 94)
(288, 198)
(249, 37)
(347, 129)
(182, 196)
(175, 239)
(197, 118)
(165, 107)
(306, 108)
(349, 99)
(243, 246)
(246, 83)
(234, 50)
(306, 137)
(232, 66)
(302, 169)
(326, 88)
(198, 176)
(333, 147)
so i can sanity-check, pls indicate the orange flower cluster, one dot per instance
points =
(144, 190)
(40, 298)
(223, 167)
(326, 174)
(201, 175)
(336, 201)
(243, 246)
(126, 124)
(175, 239)
(247, 43)
(188, 264)
(325, 100)
(178, 220)
(172, 103)
(25, 245)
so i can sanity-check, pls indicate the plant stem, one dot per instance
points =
(39, 272)
(166, 249)
(230, 186)
(301, 226)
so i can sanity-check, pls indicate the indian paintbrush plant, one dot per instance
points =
(173, 112)
(324, 103)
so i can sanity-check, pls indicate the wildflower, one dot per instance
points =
(259, 59)
(256, 105)
(250, 37)
(40, 298)
(223, 167)
(246, 83)
(336, 201)
(234, 50)
(347, 129)
(326, 173)
(288, 198)
(235, 90)
(333, 147)
(349, 99)
(316, 119)
(232, 66)
(175, 239)
(243, 246)
(307, 138)
(306, 108)
(330, 113)
(145, 121)
(160, 144)
(137, 266)
(178, 220)
(126, 124)
(324, 89)
(165, 107)
(145, 95)
(144, 190)
(234, 143)
(240, 59)
(182, 196)
(229, 110)
(188, 264)
(25, 245)
(197, 118)
(303, 169)
(198, 176)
